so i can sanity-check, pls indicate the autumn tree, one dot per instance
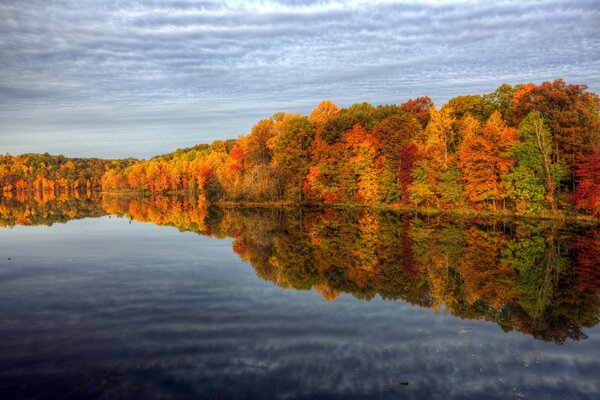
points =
(291, 155)
(330, 178)
(484, 159)
(419, 107)
(407, 160)
(474, 105)
(500, 100)
(322, 113)
(434, 148)
(587, 195)
(534, 178)
(395, 134)
(345, 119)
(258, 149)
(570, 111)
(364, 163)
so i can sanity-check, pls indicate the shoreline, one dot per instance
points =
(394, 207)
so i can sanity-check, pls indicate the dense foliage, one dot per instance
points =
(47, 173)
(524, 149)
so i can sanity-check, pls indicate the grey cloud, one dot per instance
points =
(214, 68)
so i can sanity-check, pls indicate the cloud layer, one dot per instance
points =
(118, 78)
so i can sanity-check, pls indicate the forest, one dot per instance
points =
(48, 173)
(527, 149)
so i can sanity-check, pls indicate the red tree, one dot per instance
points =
(587, 196)
(408, 158)
(420, 108)
(570, 110)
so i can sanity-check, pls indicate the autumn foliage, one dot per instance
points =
(46, 173)
(526, 149)
(587, 196)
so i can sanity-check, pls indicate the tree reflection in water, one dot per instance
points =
(538, 277)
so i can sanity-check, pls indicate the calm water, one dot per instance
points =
(163, 298)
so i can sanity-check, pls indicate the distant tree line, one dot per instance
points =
(48, 173)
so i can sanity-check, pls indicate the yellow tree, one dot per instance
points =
(258, 150)
(434, 147)
(321, 114)
(364, 162)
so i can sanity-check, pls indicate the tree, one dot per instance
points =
(439, 135)
(450, 187)
(534, 177)
(409, 156)
(435, 158)
(394, 134)
(587, 195)
(363, 163)
(461, 106)
(345, 120)
(501, 99)
(291, 155)
(570, 111)
(258, 150)
(419, 107)
(322, 113)
(484, 159)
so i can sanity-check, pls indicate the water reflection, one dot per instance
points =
(540, 278)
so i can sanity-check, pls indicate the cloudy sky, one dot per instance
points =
(136, 78)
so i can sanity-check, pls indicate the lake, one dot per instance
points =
(163, 297)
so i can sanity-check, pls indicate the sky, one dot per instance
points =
(120, 78)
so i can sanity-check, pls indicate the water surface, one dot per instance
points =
(164, 298)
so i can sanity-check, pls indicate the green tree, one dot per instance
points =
(291, 155)
(533, 179)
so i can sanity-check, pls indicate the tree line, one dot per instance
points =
(49, 173)
(527, 149)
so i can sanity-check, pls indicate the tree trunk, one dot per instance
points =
(546, 158)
